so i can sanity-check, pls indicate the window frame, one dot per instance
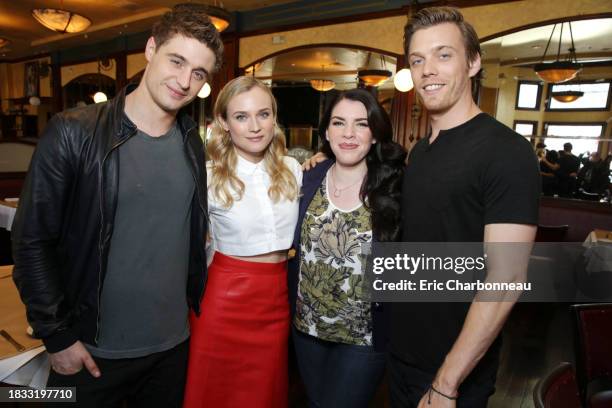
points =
(538, 98)
(534, 123)
(603, 125)
(604, 109)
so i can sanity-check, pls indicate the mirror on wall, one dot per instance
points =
(304, 79)
(568, 123)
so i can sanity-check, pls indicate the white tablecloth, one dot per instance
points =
(30, 368)
(598, 253)
(6, 216)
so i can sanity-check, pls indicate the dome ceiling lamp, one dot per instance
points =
(218, 15)
(322, 85)
(559, 71)
(61, 21)
(567, 96)
(403, 80)
(374, 77)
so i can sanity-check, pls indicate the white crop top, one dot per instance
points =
(254, 225)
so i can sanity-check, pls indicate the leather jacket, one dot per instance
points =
(62, 230)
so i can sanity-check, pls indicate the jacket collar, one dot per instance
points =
(124, 127)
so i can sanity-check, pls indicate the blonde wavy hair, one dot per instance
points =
(223, 157)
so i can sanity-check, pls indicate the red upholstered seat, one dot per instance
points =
(594, 353)
(558, 389)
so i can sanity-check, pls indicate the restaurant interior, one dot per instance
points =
(555, 354)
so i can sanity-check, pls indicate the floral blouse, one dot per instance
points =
(332, 280)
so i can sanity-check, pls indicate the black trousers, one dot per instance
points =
(157, 380)
(408, 384)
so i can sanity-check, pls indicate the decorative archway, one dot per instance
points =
(82, 88)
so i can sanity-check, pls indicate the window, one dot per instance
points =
(526, 127)
(596, 96)
(584, 137)
(528, 95)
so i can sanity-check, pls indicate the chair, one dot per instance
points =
(593, 348)
(558, 389)
(551, 233)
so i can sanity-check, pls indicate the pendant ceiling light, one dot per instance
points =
(100, 96)
(403, 80)
(559, 71)
(374, 77)
(204, 91)
(567, 96)
(219, 16)
(62, 21)
(221, 20)
(322, 85)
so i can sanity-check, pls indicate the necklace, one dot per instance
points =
(338, 191)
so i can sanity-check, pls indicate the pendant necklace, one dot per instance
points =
(338, 191)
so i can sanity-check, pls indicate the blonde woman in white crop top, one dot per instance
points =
(238, 347)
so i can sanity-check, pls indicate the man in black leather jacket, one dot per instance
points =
(109, 235)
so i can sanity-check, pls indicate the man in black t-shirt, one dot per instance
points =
(471, 180)
(568, 170)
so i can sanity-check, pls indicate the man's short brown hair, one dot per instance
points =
(431, 16)
(189, 20)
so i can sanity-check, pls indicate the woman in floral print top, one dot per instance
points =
(351, 199)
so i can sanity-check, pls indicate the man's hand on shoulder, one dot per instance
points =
(72, 359)
(313, 161)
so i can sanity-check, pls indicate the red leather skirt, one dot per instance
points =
(238, 348)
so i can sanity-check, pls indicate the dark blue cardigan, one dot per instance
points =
(311, 181)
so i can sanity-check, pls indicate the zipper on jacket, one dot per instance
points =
(100, 244)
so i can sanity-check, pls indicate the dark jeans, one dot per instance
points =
(408, 384)
(157, 380)
(338, 375)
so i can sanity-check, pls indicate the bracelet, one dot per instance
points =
(432, 389)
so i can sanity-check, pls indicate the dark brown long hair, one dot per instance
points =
(381, 188)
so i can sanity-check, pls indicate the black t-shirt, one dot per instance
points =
(478, 173)
(568, 163)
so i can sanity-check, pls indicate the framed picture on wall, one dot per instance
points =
(31, 80)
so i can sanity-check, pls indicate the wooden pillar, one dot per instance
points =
(121, 75)
(229, 69)
(57, 103)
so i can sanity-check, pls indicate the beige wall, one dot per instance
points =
(135, 64)
(12, 80)
(384, 33)
(387, 33)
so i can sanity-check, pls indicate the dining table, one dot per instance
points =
(23, 360)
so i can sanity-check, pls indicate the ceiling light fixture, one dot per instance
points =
(218, 15)
(100, 96)
(374, 77)
(567, 96)
(204, 91)
(322, 85)
(559, 71)
(62, 21)
(403, 80)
